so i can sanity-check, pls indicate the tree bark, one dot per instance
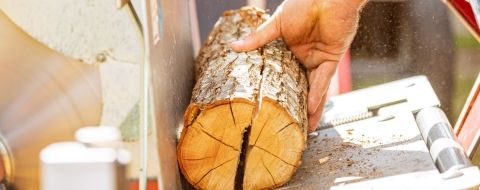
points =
(246, 124)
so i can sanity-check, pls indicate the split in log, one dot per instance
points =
(246, 125)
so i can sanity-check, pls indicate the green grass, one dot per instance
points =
(462, 89)
(466, 41)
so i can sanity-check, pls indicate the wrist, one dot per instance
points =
(359, 4)
(345, 5)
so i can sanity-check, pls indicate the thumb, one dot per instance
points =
(319, 80)
(265, 33)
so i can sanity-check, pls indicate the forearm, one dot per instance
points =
(358, 4)
(361, 4)
(349, 5)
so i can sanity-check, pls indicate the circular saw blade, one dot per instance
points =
(45, 98)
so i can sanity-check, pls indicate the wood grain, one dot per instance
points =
(246, 123)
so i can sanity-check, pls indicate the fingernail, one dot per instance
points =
(238, 43)
(312, 106)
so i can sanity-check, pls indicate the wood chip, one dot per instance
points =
(349, 131)
(323, 160)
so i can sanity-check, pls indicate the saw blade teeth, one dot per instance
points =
(346, 119)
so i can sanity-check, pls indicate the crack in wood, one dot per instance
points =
(233, 116)
(211, 136)
(284, 127)
(258, 96)
(273, 155)
(273, 179)
(240, 175)
(261, 130)
(214, 169)
(197, 113)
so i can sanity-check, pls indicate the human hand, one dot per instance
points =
(318, 32)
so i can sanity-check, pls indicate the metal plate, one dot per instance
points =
(366, 155)
(172, 81)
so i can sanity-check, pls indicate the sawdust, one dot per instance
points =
(323, 160)
(349, 131)
(336, 156)
(332, 158)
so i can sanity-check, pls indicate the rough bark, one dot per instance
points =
(246, 123)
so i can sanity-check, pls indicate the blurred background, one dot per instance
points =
(400, 39)
(46, 103)
(397, 39)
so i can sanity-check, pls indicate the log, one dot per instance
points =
(245, 127)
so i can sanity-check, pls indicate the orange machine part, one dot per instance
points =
(464, 11)
(151, 185)
(470, 125)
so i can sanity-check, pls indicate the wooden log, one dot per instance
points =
(245, 127)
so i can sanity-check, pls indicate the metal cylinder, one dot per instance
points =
(437, 133)
(6, 164)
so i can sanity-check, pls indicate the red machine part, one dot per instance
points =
(151, 185)
(463, 10)
(342, 80)
(344, 74)
(467, 127)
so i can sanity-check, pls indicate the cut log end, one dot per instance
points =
(245, 126)
(211, 148)
(275, 147)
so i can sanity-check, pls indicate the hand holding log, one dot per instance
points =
(246, 124)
